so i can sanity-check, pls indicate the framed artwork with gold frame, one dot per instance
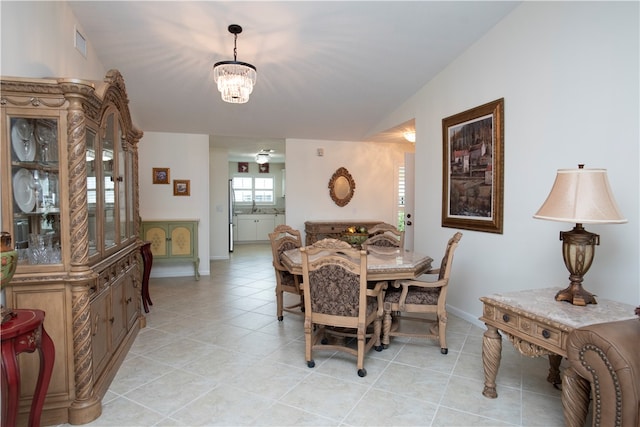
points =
(473, 168)
(160, 175)
(181, 187)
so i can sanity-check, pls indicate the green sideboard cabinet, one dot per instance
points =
(173, 241)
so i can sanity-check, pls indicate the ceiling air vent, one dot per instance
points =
(80, 42)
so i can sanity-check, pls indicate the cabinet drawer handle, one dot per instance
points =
(128, 300)
(546, 333)
(112, 320)
(505, 317)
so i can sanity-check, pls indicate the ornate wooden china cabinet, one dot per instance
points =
(70, 199)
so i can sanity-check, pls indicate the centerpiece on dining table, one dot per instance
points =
(355, 235)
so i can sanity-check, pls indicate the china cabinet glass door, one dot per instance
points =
(122, 189)
(130, 207)
(35, 187)
(92, 191)
(109, 183)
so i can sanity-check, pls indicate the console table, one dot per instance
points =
(318, 230)
(173, 241)
(24, 332)
(537, 325)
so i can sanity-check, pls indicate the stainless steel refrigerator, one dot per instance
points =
(231, 213)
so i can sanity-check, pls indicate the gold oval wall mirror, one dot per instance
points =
(341, 187)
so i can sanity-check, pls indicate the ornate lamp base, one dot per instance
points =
(576, 295)
(578, 248)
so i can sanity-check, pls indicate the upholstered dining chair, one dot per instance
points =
(384, 234)
(282, 239)
(337, 301)
(417, 296)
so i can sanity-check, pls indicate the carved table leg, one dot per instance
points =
(47, 355)
(491, 354)
(575, 398)
(386, 328)
(10, 384)
(554, 369)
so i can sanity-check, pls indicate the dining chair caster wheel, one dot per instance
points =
(362, 372)
(378, 348)
(385, 346)
(444, 350)
(280, 318)
(324, 341)
(311, 363)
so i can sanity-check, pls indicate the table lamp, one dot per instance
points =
(581, 196)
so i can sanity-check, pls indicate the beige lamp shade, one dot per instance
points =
(581, 196)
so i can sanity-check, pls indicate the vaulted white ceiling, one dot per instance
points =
(326, 70)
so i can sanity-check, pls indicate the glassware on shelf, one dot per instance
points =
(22, 139)
(24, 130)
(36, 186)
(49, 185)
(45, 137)
(42, 249)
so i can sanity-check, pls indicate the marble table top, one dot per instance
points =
(383, 264)
(541, 302)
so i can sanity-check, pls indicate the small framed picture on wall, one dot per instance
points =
(243, 167)
(160, 175)
(181, 187)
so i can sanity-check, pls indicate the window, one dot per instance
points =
(250, 189)
(243, 189)
(263, 192)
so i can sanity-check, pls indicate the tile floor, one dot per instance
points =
(213, 353)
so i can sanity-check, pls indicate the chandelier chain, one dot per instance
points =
(235, 47)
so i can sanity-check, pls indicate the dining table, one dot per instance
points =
(383, 263)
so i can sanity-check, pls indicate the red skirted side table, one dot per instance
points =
(147, 261)
(24, 332)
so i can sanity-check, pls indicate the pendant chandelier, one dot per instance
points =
(235, 79)
(264, 156)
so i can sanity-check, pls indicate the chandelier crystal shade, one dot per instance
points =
(235, 79)
(262, 158)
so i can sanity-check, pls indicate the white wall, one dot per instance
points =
(219, 215)
(371, 165)
(37, 40)
(569, 74)
(187, 157)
